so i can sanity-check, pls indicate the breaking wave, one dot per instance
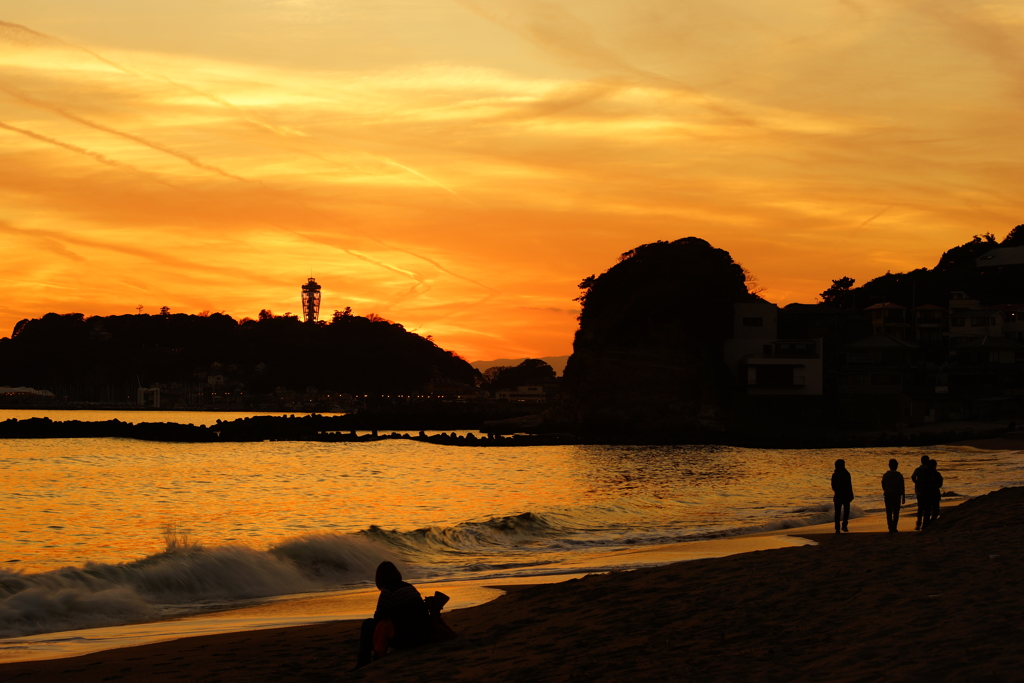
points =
(183, 578)
(471, 537)
(188, 577)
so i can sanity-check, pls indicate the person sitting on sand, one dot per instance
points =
(918, 477)
(842, 489)
(933, 493)
(894, 493)
(401, 620)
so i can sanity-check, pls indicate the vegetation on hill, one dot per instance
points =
(956, 271)
(532, 371)
(647, 358)
(351, 354)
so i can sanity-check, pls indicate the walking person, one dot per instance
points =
(933, 495)
(920, 487)
(894, 493)
(842, 494)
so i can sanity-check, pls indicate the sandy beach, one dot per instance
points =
(944, 604)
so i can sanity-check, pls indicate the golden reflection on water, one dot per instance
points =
(73, 501)
(107, 500)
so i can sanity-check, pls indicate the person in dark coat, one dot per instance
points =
(933, 492)
(894, 493)
(401, 620)
(920, 487)
(842, 490)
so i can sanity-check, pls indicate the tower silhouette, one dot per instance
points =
(310, 301)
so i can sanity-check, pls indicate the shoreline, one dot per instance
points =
(939, 604)
(355, 605)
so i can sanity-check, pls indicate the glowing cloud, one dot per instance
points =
(460, 167)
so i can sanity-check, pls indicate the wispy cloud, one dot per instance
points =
(461, 167)
(85, 152)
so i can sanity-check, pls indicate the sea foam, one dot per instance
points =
(181, 580)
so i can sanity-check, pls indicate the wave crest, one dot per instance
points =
(469, 537)
(184, 576)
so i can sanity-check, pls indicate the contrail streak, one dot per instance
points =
(195, 162)
(120, 165)
(128, 136)
(416, 277)
(392, 162)
(255, 121)
(437, 265)
(461, 309)
(877, 215)
(422, 285)
(319, 240)
(395, 269)
(235, 109)
(161, 257)
(18, 28)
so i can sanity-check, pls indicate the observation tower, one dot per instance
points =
(310, 301)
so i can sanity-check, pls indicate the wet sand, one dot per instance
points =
(944, 604)
(358, 604)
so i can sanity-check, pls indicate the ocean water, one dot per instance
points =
(101, 532)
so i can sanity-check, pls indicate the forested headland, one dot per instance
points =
(105, 358)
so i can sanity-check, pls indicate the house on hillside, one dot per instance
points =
(966, 362)
(1013, 320)
(928, 323)
(969, 320)
(988, 372)
(24, 396)
(762, 363)
(888, 319)
(879, 364)
(887, 383)
(887, 367)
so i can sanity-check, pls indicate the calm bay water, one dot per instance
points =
(84, 519)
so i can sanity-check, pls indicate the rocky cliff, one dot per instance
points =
(647, 358)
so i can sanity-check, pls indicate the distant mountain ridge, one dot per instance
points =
(556, 362)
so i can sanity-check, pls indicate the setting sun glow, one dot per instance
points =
(458, 166)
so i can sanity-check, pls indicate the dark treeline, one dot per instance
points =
(957, 270)
(351, 354)
(531, 371)
(339, 428)
(312, 427)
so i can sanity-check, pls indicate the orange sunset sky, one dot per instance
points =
(458, 166)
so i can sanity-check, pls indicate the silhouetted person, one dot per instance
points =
(933, 494)
(918, 477)
(400, 621)
(895, 494)
(842, 494)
